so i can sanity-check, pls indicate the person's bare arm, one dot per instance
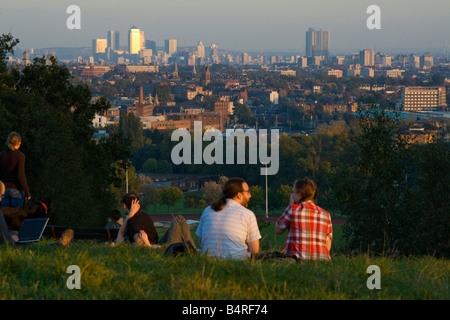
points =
(253, 247)
(279, 230)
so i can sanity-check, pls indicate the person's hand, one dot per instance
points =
(135, 206)
(143, 237)
(291, 199)
(15, 237)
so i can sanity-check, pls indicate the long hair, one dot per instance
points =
(128, 199)
(307, 189)
(231, 188)
(14, 139)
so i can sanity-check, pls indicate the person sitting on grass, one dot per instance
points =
(137, 225)
(115, 220)
(140, 229)
(11, 239)
(227, 229)
(309, 226)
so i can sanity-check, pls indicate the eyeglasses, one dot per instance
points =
(248, 191)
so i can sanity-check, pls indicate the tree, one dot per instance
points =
(131, 127)
(194, 201)
(437, 79)
(213, 190)
(54, 117)
(171, 196)
(150, 165)
(372, 188)
(284, 195)
(151, 196)
(244, 114)
(429, 202)
(258, 199)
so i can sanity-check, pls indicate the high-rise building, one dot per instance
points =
(150, 44)
(142, 38)
(113, 40)
(98, 46)
(426, 61)
(367, 57)
(213, 50)
(171, 46)
(134, 40)
(317, 43)
(200, 50)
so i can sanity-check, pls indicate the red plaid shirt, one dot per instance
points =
(309, 230)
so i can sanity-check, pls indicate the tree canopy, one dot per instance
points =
(54, 117)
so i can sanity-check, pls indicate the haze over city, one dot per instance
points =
(253, 26)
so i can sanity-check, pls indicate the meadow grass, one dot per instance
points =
(39, 271)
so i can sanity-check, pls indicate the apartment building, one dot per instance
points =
(423, 98)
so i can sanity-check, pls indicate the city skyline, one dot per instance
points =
(251, 26)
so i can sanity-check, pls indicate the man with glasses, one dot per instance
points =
(227, 229)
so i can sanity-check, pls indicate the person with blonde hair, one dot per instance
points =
(12, 173)
(309, 227)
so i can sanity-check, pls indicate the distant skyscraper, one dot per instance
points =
(317, 43)
(200, 50)
(142, 38)
(113, 40)
(98, 46)
(150, 44)
(214, 53)
(171, 46)
(134, 40)
(367, 57)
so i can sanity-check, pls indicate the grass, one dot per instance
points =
(38, 271)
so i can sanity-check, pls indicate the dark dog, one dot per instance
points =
(14, 216)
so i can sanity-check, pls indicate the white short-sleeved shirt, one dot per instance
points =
(225, 233)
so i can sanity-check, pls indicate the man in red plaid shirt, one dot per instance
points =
(310, 230)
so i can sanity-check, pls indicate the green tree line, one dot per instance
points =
(54, 117)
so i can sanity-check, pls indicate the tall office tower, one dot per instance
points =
(113, 40)
(317, 43)
(245, 58)
(134, 40)
(171, 46)
(98, 46)
(150, 44)
(200, 50)
(414, 61)
(367, 57)
(213, 50)
(142, 40)
(426, 61)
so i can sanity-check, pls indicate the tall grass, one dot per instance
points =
(39, 271)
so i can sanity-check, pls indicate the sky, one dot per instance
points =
(240, 25)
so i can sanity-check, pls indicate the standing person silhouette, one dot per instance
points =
(12, 173)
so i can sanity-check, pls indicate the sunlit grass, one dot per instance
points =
(38, 271)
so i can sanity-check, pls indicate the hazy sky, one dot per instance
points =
(244, 25)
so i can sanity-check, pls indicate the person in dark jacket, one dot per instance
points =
(12, 173)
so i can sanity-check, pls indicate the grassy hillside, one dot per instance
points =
(39, 271)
